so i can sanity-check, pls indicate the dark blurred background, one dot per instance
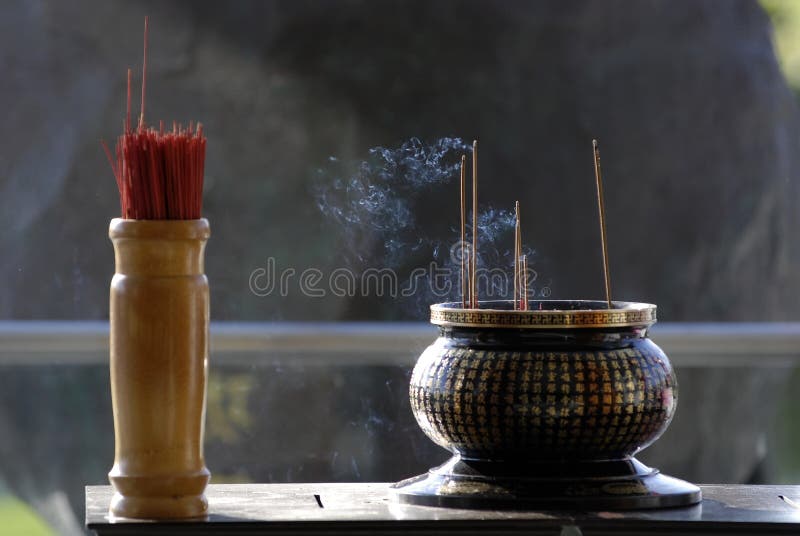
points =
(698, 124)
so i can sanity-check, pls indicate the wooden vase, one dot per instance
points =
(159, 350)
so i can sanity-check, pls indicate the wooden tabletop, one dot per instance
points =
(299, 509)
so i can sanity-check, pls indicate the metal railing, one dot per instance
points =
(253, 343)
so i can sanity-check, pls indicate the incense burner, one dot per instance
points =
(544, 408)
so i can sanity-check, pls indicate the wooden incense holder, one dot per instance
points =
(544, 408)
(159, 351)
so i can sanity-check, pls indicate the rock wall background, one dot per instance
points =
(698, 128)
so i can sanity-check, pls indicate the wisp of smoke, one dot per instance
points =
(383, 208)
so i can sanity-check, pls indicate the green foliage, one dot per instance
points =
(228, 415)
(17, 518)
(786, 436)
(785, 17)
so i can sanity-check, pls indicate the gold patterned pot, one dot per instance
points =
(544, 407)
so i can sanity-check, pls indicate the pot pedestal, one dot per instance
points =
(623, 484)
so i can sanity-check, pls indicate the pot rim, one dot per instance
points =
(492, 314)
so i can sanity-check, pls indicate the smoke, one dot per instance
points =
(373, 201)
(399, 209)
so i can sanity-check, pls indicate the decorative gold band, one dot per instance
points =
(554, 314)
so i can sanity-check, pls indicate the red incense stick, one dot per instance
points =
(159, 174)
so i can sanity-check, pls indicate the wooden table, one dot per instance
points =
(298, 509)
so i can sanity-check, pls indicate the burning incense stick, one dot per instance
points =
(602, 213)
(524, 282)
(517, 252)
(464, 289)
(159, 174)
(473, 291)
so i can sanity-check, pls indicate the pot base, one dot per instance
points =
(624, 484)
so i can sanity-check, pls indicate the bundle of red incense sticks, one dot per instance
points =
(159, 173)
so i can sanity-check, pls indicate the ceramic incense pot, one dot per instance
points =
(159, 349)
(544, 408)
